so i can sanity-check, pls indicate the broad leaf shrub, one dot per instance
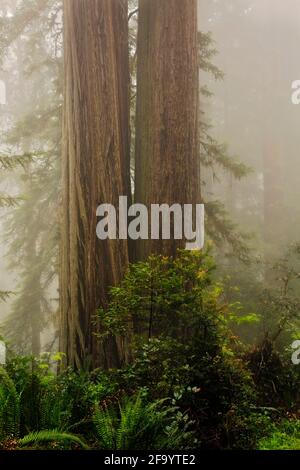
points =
(183, 347)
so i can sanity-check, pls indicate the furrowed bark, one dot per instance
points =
(95, 171)
(167, 157)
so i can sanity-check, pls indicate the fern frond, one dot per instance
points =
(140, 426)
(105, 428)
(9, 406)
(52, 435)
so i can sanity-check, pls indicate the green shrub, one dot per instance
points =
(50, 401)
(286, 436)
(276, 378)
(42, 404)
(187, 385)
(183, 344)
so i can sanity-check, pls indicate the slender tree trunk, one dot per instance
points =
(36, 314)
(167, 157)
(33, 299)
(95, 171)
(272, 143)
(35, 338)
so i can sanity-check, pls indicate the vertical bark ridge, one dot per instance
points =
(167, 152)
(95, 159)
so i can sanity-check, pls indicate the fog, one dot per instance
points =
(250, 112)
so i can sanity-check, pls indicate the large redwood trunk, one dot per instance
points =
(167, 156)
(95, 171)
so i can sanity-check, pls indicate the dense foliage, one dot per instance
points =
(190, 383)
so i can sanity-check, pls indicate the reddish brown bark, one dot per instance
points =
(167, 157)
(95, 170)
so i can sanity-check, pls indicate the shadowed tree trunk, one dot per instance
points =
(167, 157)
(95, 171)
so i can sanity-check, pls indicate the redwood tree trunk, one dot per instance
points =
(95, 170)
(167, 157)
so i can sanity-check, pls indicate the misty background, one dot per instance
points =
(252, 119)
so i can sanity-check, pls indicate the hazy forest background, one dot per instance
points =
(245, 167)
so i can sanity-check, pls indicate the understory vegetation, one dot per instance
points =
(190, 383)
